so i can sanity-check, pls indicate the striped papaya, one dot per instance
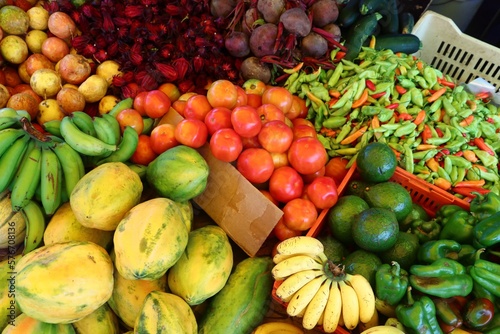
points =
(64, 282)
(204, 267)
(149, 239)
(12, 224)
(166, 311)
(24, 324)
(101, 321)
(9, 309)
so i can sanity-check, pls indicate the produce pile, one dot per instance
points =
(108, 110)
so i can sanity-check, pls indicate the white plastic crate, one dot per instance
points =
(454, 53)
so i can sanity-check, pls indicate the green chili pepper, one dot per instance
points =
(436, 105)
(371, 110)
(425, 230)
(456, 144)
(486, 274)
(449, 108)
(488, 130)
(333, 80)
(391, 283)
(484, 206)
(344, 131)
(441, 140)
(486, 232)
(416, 97)
(459, 227)
(405, 129)
(475, 173)
(334, 122)
(422, 82)
(385, 115)
(486, 159)
(443, 278)
(418, 316)
(408, 158)
(425, 155)
(433, 250)
(430, 75)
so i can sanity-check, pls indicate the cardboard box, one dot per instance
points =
(239, 208)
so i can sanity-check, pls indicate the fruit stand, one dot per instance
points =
(250, 167)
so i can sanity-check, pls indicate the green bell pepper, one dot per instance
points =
(486, 274)
(417, 212)
(433, 250)
(459, 227)
(425, 230)
(466, 256)
(418, 316)
(483, 206)
(443, 278)
(391, 282)
(486, 233)
(446, 211)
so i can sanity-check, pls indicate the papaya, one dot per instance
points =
(101, 321)
(180, 173)
(129, 295)
(149, 239)
(9, 309)
(243, 302)
(24, 324)
(204, 267)
(187, 213)
(63, 226)
(64, 282)
(12, 224)
(166, 311)
(98, 203)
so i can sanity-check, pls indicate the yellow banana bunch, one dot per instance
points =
(317, 290)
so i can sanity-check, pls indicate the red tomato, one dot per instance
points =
(225, 145)
(254, 86)
(171, 90)
(275, 136)
(298, 109)
(280, 97)
(197, 107)
(254, 100)
(130, 117)
(144, 153)
(302, 121)
(250, 142)
(139, 101)
(282, 232)
(242, 99)
(299, 214)
(303, 130)
(191, 132)
(156, 104)
(307, 155)
(336, 169)
(285, 184)
(246, 121)
(255, 164)
(322, 191)
(222, 93)
(280, 159)
(218, 118)
(163, 138)
(269, 112)
(308, 178)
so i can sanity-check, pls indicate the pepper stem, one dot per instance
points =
(409, 296)
(479, 252)
(396, 268)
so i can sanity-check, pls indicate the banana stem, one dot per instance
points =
(32, 131)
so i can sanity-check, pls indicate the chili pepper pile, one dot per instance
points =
(439, 131)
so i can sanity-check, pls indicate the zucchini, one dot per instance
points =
(390, 18)
(405, 43)
(359, 33)
(243, 302)
(348, 14)
(406, 22)
(371, 6)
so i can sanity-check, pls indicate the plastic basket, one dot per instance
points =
(461, 56)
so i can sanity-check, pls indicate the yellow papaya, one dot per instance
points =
(149, 239)
(64, 282)
(166, 311)
(105, 194)
(101, 321)
(204, 267)
(187, 213)
(63, 226)
(12, 224)
(24, 324)
(9, 309)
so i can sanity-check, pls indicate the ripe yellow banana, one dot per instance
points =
(294, 282)
(385, 309)
(374, 321)
(366, 296)
(277, 258)
(350, 305)
(316, 307)
(333, 309)
(303, 297)
(394, 322)
(293, 265)
(300, 244)
(382, 329)
(278, 327)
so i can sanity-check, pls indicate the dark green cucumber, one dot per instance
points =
(359, 33)
(405, 43)
(390, 18)
(371, 6)
(243, 302)
(406, 22)
(348, 14)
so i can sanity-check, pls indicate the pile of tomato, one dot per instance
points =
(262, 130)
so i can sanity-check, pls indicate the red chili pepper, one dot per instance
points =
(446, 83)
(468, 191)
(490, 120)
(479, 142)
(482, 95)
(401, 89)
(378, 95)
(370, 85)
(459, 153)
(394, 106)
(439, 132)
(403, 116)
(426, 134)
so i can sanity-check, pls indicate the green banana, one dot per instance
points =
(7, 122)
(84, 122)
(105, 132)
(28, 177)
(8, 137)
(122, 105)
(35, 226)
(8, 112)
(53, 127)
(149, 124)
(139, 169)
(113, 123)
(82, 142)
(50, 181)
(11, 159)
(126, 148)
(71, 164)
